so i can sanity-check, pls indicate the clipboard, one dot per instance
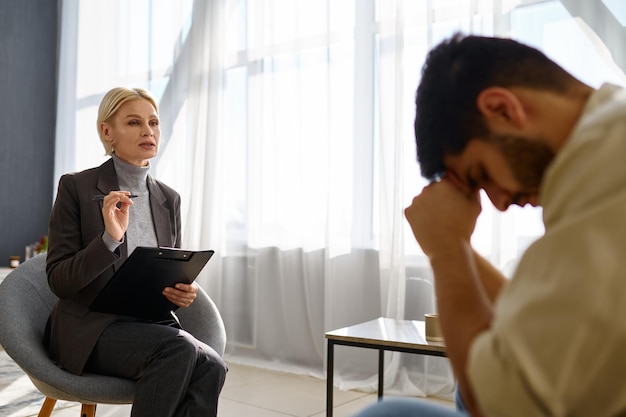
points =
(136, 287)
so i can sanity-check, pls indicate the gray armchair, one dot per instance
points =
(25, 304)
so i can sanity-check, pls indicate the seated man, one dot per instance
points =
(496, 115)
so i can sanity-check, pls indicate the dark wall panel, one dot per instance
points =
(28, 73)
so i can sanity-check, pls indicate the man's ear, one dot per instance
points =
(501, 107)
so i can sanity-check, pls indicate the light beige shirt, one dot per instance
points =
(557, 346)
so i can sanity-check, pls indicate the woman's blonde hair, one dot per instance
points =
(112, 101)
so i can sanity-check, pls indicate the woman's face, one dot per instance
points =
(134, 132)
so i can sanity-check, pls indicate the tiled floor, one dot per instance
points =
(254, 392)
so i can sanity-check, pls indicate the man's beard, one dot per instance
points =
(527, 158)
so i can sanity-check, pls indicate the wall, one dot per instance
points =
(28, 62)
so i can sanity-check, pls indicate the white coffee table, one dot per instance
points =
(382, 334)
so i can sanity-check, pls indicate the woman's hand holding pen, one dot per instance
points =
(115, 206)
(182, 294)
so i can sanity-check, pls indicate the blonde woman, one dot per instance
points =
(176, 374)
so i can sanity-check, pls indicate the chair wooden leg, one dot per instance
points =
(88, 410)
(47, 407)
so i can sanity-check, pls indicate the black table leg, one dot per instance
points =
(381, 373)
(329, 377)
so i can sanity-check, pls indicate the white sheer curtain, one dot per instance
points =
(287, 129)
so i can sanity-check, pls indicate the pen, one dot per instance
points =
(100, 197)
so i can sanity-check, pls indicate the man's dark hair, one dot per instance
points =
(454, 73)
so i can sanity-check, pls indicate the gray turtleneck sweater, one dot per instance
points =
(140, 230)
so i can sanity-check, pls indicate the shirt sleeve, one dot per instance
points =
(111, 243)
(499, 389)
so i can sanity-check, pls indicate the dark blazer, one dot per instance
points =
(79, 264)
